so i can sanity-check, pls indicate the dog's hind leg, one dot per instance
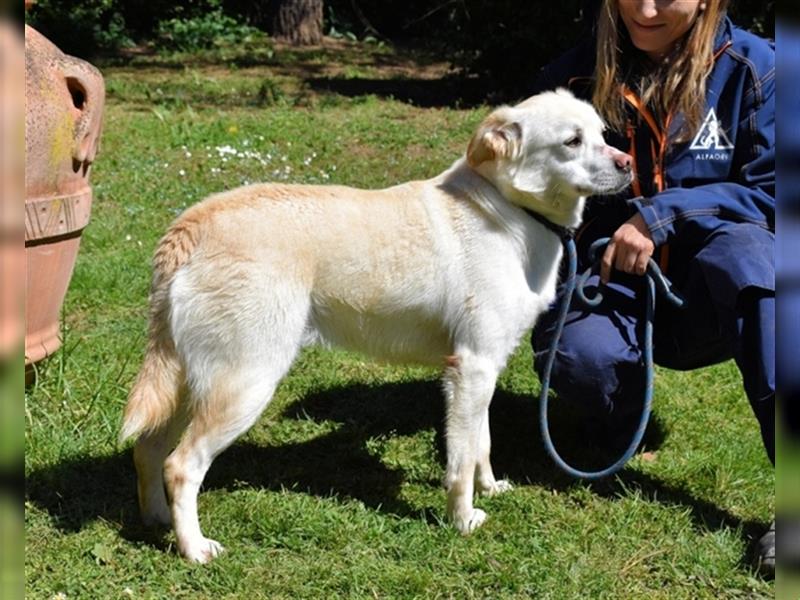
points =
(154, 416)
(236, 343)
(149, 453)
(484, 476)
(469, 384)
(231, 406)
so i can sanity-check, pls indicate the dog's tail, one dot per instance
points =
(155, 394)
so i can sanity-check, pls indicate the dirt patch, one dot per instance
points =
(340, 56)
(332, 58)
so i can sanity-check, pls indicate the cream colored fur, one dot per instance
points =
(448, 271)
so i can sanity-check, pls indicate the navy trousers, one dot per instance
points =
(729, 285)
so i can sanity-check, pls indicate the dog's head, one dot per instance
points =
(548, 150)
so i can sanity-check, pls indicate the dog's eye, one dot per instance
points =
(574, 142)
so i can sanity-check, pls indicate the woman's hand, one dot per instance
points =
(629, 250)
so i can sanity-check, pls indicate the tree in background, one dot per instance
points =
(298, 22)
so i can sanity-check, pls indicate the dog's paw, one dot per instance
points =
(471, 522)
(496, 487)
(202, 551)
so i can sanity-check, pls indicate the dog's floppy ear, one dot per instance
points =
(496, 138)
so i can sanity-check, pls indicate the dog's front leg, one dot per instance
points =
(469, 382)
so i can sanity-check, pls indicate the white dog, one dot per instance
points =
(451, 271)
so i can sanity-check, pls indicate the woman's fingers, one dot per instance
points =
(607, 261)
(628, 251)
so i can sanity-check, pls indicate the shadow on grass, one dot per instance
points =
(76, 492)
(449, 92)
(446, 92)
(297, 60)
(411, 75)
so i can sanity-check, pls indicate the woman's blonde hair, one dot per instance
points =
(676, 85)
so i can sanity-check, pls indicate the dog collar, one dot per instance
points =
(564, 233)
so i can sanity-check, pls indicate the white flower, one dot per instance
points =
(59, 596)
(128, 592)
(128, 238)
(188, 154)
(182, 173)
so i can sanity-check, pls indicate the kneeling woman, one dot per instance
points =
(692, 98)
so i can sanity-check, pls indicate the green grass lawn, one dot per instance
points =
(336, 491)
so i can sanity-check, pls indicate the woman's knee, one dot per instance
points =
(595, 365)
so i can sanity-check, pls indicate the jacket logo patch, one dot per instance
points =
(712, 139)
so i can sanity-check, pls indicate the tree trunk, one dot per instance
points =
(298, 22)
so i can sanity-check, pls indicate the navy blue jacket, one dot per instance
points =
(725, 173)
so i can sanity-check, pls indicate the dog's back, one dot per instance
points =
(241, 261)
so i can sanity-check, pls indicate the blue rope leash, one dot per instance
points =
(655, 280)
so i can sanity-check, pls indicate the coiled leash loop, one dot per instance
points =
(654, 279)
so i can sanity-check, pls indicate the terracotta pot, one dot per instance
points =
(65, 98)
